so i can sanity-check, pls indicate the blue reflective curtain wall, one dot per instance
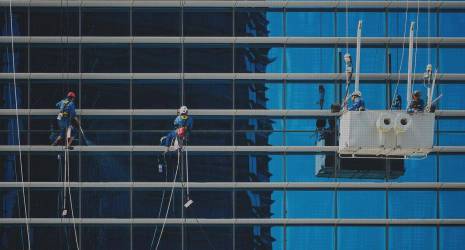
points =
(254, 75)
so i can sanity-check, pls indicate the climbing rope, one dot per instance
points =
(23, 188)
(67, 178)
(402, 56)
(161, 207)
(169, 201)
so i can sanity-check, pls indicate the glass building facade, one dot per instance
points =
(250, 72)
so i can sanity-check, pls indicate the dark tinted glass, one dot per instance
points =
(54, 58)
(20, 21)
(105, 22)
(97, 58)
(20, 64)
(156, 22)
(208, 59)
(161, 94)
(209, 237)
(258, 22)
(102, 94)
(7, 94)
(207, 22)
(217, 92)
(46, 93)
(55, 21)
(97, 237)
(156, 58)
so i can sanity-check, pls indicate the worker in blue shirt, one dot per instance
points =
(417, 104)
(182, 124)
(357, 102)
(66, 117)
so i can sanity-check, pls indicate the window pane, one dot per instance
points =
(210, 204)
(20, 58)
(303, 168)
(450, 170)
(7, 94)
(247, 236)
(156, 94)
(372, 59)
(424, 56)
(96, 58)
(156, 58)
(46, 94)
(63, 21)
(418, 171)
(101, 94)
(353, 204)
(258, 94)
(359, 237)
(102, 203)
(48, 203)
(412, 238)
(105, 21)
(397, 26)
(453, 98)
(259, 167)
(208, 94)
(12, 198)
(451, 60)
(208, 237)
(258, 59)
(157, 200)
(451, 204)
(210, 167)
(54, 58)
(318, 237)
(101, 167)
(156, 22)
(373, 23)
(20, 21)
(258, 22)
(95, 237)
(49, 166)
(412, 204)
(310, 204)
(208, 22)
(452, 23)
(51, 237)
(308, 95)
(208, 59)
(452, 237)
(259, 204)
(309, 23)
(298, 60)
(142, 237)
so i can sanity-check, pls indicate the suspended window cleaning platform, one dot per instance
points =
(384, 133)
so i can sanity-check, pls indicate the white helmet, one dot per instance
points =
(183, 110)
(357, 93)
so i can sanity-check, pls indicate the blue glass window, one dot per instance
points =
(258, 22)
(156, 58)
(373, 23)
(452, 23)
(105, 22)
(259, 167)
(412, 204)
(412, 238)
(310, 204)
(309, 23)
(258, 59)
(358, 237)
(449, 170)
(20, 21)
(425, 24)
(259, 204)
(310, 60)
(451, 204)
(306, 95)
(353, 204)
(208, 22)
(305, 168)
(318, 237)
(424, 56)
(451, 60)
(418, 171)
(453, 98)
(451, 237)
(20, 58)
(258, 94)
(156, 21)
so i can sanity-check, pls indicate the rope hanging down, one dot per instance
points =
(23, 188)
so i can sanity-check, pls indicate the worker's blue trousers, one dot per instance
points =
(169, 138)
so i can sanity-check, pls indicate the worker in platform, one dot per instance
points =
(417, 104)
(182, 124)
(67, 119)
(357, 102)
